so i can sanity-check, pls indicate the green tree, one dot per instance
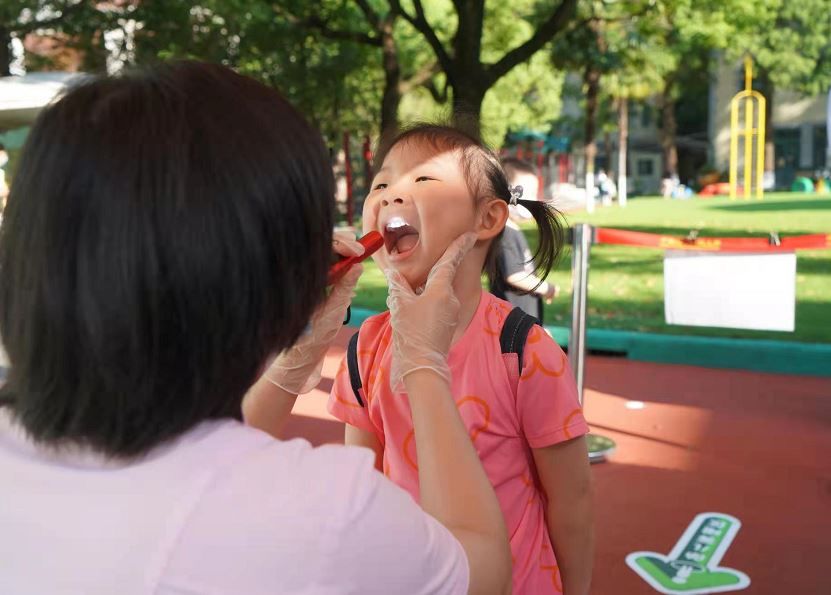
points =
(336, 83)
(594, 46)
(459, 33)
(683, 34)
(790, 43)
(636, 74)
(404, 63)
(18, 18)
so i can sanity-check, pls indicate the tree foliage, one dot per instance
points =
(450, 58)
(789, 40)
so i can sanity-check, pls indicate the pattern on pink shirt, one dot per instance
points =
(506, 415)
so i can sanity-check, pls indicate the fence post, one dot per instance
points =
(582, 236)
(580, 280)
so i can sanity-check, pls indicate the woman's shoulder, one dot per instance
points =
(243, 462)
(302, 519)
(277, 511)
(291, 471)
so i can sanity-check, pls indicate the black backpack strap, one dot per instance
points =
(354, 370)
(514, 333)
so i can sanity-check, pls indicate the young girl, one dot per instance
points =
(523, 417)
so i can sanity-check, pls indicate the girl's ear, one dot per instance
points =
(492, 217)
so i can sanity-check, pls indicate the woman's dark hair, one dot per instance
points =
(166, 233)
(486, 179)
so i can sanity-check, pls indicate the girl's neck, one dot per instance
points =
(468, 289)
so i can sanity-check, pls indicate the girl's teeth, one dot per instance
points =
(396, 222)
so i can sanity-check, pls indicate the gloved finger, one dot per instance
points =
(345, 286)
(339, 299)
(398, 285)
(445, 269)
(345, 244)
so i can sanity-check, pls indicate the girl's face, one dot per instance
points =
(420, 202)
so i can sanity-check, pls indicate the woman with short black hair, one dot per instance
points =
(168, 234)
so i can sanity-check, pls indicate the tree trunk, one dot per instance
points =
(591, 78)
(391, 97)
(469, 80)
(623, 141)
(467, 76)
(669, 130)
(607, 150)
(5, 52)
(467, 106)
(767, 89)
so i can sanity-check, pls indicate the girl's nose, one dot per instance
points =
(396, 201)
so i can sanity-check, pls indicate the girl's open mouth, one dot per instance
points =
(400, 238)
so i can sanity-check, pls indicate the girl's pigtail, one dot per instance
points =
(551, 236)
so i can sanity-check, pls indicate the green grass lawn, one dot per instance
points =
(626, 283)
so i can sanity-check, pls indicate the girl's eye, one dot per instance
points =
(380, 186)
(423, 178)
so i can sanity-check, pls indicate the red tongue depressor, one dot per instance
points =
(371, 242)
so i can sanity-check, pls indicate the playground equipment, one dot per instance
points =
(747, 99)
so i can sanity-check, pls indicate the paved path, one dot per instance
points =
(756, 446)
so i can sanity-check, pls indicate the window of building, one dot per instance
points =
(646, 116)
(787, 148)
(646, 167)
(820, 146)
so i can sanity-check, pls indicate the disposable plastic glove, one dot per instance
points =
(298, 369)
(423, 323)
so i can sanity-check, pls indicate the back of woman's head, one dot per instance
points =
(167, 232)
(486, 179)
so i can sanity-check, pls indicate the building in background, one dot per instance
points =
(798, 131)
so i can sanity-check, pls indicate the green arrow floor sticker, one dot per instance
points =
(692, 565)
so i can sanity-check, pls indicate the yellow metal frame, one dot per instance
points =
(747, 98)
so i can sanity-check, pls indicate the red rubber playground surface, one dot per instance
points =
(691, 440)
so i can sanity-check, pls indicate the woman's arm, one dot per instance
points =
(453, 485)
(455, 489)
(357, 437)
(566, 478)
(269, 402)
(267, 407)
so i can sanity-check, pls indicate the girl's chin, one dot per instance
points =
(414, 276)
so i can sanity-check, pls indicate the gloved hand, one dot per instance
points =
(423, 323)
(298, 369)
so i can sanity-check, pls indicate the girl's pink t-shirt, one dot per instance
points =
(507, 416)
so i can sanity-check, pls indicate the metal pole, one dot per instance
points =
(599, 447)
(579, 283)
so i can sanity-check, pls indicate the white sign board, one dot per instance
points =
(748, 291)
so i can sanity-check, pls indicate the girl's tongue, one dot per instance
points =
(407, 242)
(399, 236)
